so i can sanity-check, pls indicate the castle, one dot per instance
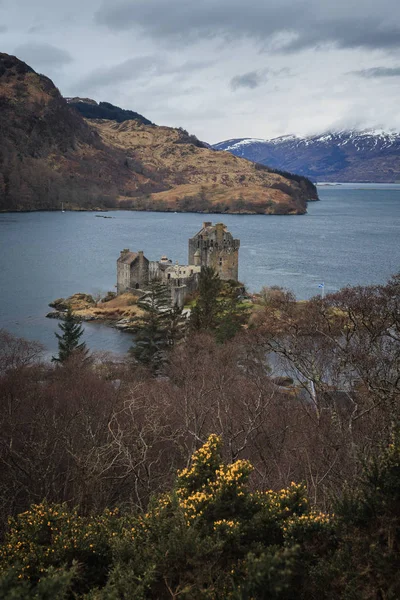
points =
(213, 246)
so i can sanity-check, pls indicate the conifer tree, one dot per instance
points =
(218, 308)
(152, 335)
(68, 342)
(204, 315)
(176, 325)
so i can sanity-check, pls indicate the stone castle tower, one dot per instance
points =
(213, 246)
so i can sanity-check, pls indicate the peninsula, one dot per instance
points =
(51, 156)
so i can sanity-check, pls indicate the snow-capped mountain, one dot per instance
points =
(371, 155)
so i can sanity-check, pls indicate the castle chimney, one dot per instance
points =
(207, 224)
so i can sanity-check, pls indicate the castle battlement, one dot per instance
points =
(213, 246)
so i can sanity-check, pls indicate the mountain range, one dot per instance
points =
(342, 156)
(89, 156)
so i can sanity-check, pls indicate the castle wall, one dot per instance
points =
(139, 272)
(123, 278)
(217, 249)
(213, 246)
(154, 271)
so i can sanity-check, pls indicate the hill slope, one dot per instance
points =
(201, 179)
(352, 156)
(50, 154)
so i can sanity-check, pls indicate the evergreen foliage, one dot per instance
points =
(69, 341)
(160, 327)
(204, 315)
(218, 308)
(106, 110)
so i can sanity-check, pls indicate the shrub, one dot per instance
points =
(204, 539)
(53, 536)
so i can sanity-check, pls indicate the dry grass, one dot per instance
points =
(121, 307)
(192, 171)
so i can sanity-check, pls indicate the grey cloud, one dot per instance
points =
(192, 20)
(43, 55)
(348, 33)
(35, 29)
(3, 28)
(126, 71)
(135, 68)
(376, 72)
(251, 80)
(309, 23)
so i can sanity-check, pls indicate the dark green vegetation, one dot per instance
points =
(179, 484)
(159, 328)
(105, 110)
(304, 182)
(69, 342)
(211, 537)
(218, 309)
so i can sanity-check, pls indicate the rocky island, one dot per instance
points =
(120, 311)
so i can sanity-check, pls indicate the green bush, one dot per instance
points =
(54, 536)
(211, 538)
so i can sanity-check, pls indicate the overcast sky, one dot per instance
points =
(220, 68)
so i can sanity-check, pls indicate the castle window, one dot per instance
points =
(179, 282)
(137, 286)
(191, 271)
(198, 244)
(169, 276)
(220, 262)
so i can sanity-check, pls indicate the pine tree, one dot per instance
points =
(152, 335)
(204, 315)
(232, 313)
(68, 342)
(176, 325)
(218, 308)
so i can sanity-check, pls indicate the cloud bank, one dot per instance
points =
(220, 68)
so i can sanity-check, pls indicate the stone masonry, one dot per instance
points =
(213, 246)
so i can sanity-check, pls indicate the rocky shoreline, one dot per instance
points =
(119, 312)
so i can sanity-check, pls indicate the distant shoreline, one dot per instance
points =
(196, 212)
(352, 183)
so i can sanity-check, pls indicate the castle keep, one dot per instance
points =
(213, 246)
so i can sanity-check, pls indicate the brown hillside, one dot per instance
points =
(199, 178)
(49, 154)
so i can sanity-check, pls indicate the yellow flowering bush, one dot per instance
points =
(210, 538)
(52, 535)
(201, 540)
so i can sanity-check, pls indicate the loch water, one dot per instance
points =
(350, 237)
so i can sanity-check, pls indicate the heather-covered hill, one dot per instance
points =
(199, 178)
(50, 155)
